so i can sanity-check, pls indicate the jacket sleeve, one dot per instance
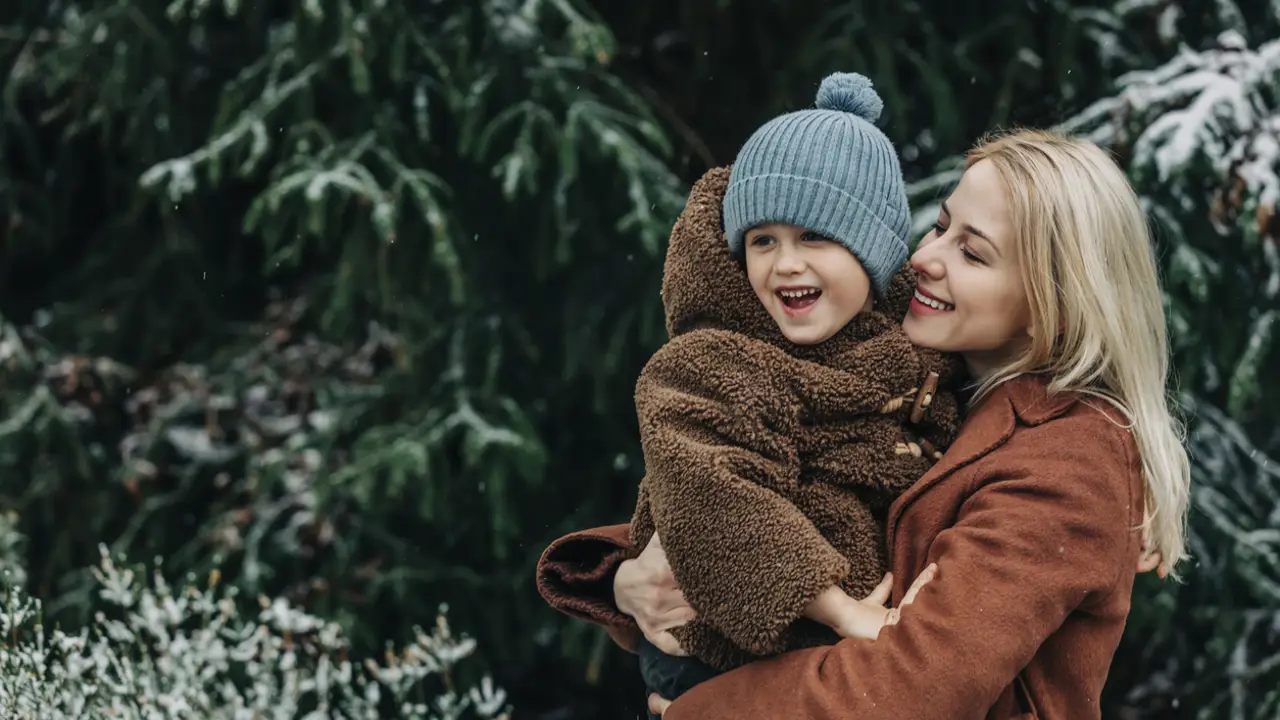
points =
(717, 460)
(575, 576)
(1035, 542)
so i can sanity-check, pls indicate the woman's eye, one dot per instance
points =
(971, 257)
(937, 228)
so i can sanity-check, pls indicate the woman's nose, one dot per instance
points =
(927, 261)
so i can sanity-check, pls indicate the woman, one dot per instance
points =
(1040, 273)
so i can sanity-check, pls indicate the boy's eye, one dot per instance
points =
(810, 236)
(761, 240)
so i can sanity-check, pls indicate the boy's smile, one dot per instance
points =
(812, 286)
(798, 299)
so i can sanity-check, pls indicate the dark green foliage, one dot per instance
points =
(461, 210)
(1210, 647)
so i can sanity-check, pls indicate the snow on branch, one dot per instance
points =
(1215, 106)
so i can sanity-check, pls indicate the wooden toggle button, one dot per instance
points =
(924, 398)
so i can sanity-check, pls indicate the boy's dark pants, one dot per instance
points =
(670, 676)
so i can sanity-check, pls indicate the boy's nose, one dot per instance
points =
(789, 261)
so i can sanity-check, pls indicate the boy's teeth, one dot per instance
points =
(935, 304)
(797, 293)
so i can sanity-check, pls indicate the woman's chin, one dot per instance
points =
(920, 336)
(911, 326)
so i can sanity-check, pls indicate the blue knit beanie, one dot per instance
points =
(829, 170)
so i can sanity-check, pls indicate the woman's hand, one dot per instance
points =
(645, 588)
(1151, 559)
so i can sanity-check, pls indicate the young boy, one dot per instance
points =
(772, 422)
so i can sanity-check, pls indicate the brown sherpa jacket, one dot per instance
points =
(769, 464)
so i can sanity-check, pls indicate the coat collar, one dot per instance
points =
(989, 424)
(1031, 400)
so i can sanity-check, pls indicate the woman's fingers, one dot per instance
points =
(657, 626)
(657, 579)
(880, 596)
(646, 589)
(1150, 558)
(676, 616)
(922, 580)
(658, 704)
(668, 610)
(667, 643)
(1150, 561)
(672, 602)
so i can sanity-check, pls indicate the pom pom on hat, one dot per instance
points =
(851, 93)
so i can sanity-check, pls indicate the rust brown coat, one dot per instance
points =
(770, 465)
(1031, 517)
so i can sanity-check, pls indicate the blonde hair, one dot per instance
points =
(1098, 323)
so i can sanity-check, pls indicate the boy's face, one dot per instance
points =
(811, 286)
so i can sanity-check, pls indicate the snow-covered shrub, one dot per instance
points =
(13, 543)
(158, 651)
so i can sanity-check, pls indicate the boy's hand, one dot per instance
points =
(880, 596)
(864, 618)
(840, 612)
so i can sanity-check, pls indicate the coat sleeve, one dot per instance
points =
(717, 463)
(1035, 542)
(575, 576)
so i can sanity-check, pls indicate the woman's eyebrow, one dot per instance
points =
(973, 230)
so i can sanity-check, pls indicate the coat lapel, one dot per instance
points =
(988, 426)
